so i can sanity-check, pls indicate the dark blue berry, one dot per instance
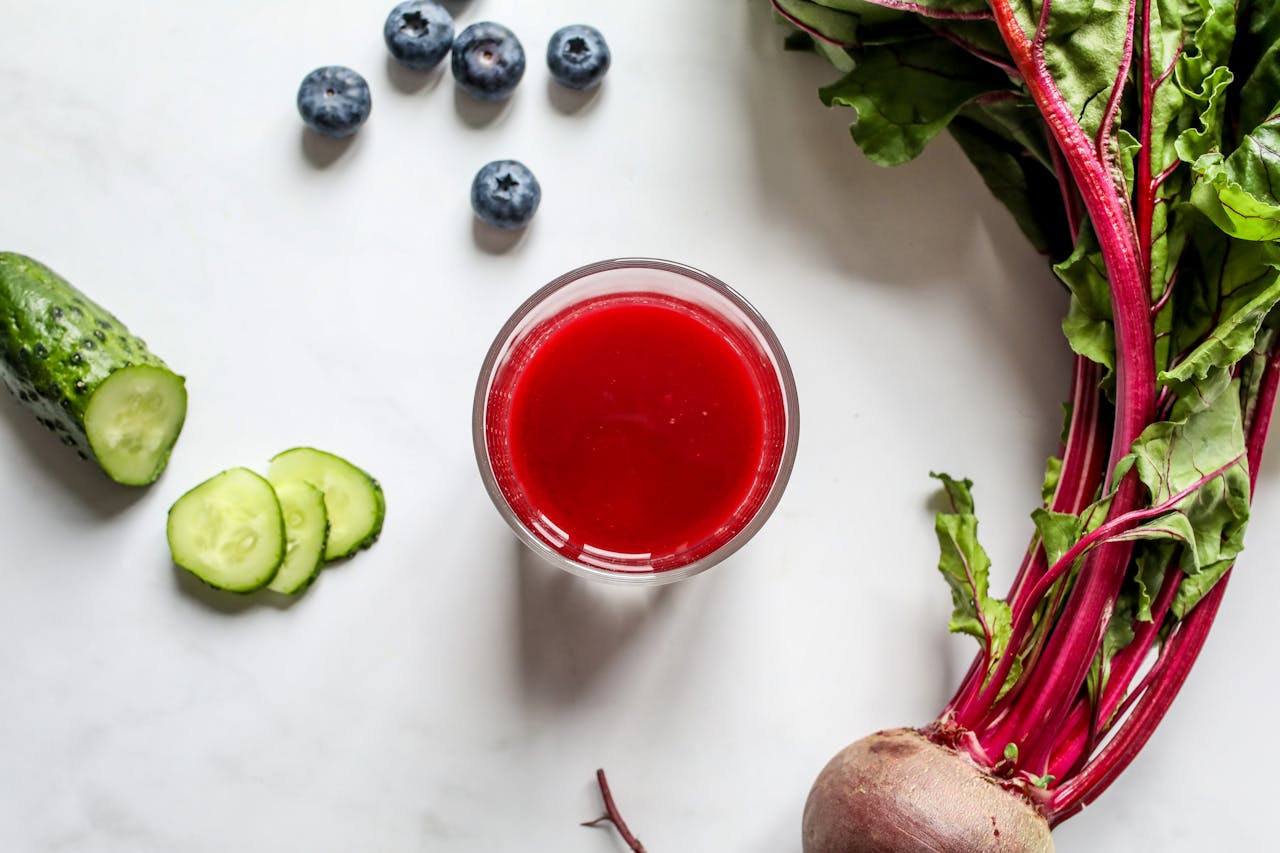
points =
(505, 194)
(578, 56)
(488, 61)
(334, 101)
(419, 33)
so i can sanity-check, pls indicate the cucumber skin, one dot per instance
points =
(57, 346)
(380, 515)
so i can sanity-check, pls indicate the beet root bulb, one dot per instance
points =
(898, 792)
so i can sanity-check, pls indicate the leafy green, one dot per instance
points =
(1255, 56)
(1058, 532)
(1088, 324)
(965, 565)
(1230, 287)
(1136, 154)
(1238, 192)
(906, 93)
(1085, 39)
(834, 25)
(1120, 632)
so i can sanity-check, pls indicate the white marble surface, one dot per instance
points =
(442, 692)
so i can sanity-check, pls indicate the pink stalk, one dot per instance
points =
(1100, 538)
(1059, 674)
(1090, 720)
(1078, 480)
(1182, 648)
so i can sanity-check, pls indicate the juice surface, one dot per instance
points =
(636, 426)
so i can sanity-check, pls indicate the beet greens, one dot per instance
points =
(1137, 144)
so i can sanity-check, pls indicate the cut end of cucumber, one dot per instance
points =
(229, 531)
(352, 497)
(133, 420)
(306, 528)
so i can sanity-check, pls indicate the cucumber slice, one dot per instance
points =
(352, 498)
(229, 531)
(133, 420)
(84, 375)
(306, 529)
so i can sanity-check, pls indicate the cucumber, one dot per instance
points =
(84, 376)
(229, 531)
(306, 529)
(352, 498)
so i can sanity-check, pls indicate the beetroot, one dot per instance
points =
(881, 793)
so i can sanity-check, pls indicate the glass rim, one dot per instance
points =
(640, 577)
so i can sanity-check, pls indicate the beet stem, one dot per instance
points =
(612, 815)
(1182, 648)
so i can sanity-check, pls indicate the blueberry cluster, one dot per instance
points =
(488, 63)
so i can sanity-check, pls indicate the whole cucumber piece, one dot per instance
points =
(84, 375)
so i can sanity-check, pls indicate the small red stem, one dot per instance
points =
(1145, 198)
(612, 815)
(1117, 89)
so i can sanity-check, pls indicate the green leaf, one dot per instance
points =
(1191, 38)
(1253, 367)
(1154, 560)
(1014, 118)
(1119, 634)
(959, 492)
(1255, 55)
(1052, 474)
(965, 565)
(1021, 184)
(1085, 40)
(1223, 300)
(834, 25)
(1238, 192)
(906, 93)
(1171, 457)
(1043, 782)
(1058, 532)
(1195, 587)
(1088, 325)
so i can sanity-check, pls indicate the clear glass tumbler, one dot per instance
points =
(559, 505)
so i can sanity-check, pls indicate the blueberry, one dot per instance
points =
(505, 194)
(578, 56)
(334, 101)
(488, 61)
(419, 33)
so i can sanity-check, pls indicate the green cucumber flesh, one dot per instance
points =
(306, 528)
(352, 497)
(133, 420)
(84, 376)
(229, 531)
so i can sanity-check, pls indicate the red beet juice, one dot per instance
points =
(637, 430)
